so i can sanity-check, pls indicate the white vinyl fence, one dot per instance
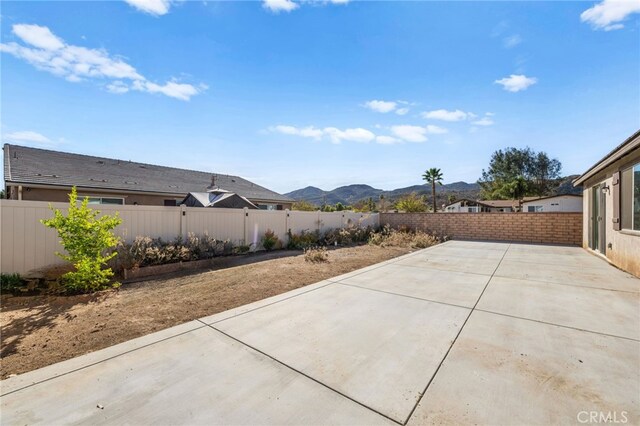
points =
(26, 244)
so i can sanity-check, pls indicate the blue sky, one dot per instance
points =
(321, 93)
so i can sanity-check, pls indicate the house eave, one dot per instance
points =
(619, 152)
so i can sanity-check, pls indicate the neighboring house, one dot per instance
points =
(217, 198)
(554, 203)
(612, 205)
(44, 175)
(466, 206)
(476, 206)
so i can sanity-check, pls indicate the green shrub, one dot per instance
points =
(302, 240)
(10, 282)
(270, 240)
(146, 251)
(241, 249)
(316, 254)
(87, 239)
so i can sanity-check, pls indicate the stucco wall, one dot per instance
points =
(555, 228)
(622, 247)
(566, 203)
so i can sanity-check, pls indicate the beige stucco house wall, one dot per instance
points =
(560, 203)
(621, 244)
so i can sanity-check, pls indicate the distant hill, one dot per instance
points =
(565, 186)
(351, 194)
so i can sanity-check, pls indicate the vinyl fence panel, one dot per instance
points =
(26, 244)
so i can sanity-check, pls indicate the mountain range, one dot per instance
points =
(351, 194)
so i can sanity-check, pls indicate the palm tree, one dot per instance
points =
(433, 176)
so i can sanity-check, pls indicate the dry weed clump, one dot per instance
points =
(316, 254)
(388, 237)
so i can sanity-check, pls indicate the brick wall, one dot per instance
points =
(555, 228)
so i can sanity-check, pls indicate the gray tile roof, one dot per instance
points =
(40, 166)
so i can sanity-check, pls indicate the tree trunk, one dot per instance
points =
(433, 194)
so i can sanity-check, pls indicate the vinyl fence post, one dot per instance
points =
(245, 216)
(183, 221)
(286, 224)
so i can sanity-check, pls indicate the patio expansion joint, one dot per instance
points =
(558, 325)
(401, 295)
(100, 361)
(435, 373)
(301, 373)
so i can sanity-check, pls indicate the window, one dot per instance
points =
(534, 209)
(267, 206)
(630, 198)
(170, 203)
(105, 200)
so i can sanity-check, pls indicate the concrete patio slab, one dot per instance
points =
(241, 310)
(456, 288)
(200, 377)
(601, 276)
(507, 371)
(483, 245)
(47, 373)
(470, 253)
(602, 311)
(545, 258)
(378, 349)
(386, 344)
(450, 263)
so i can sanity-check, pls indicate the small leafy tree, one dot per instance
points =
(87, 240)
(304, 206)
(411, 203)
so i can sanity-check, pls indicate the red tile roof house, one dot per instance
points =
(44, 175)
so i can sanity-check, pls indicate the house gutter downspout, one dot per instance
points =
(20, 192)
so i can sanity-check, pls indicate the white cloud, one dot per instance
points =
(118, 87)
(278, 6)
(609, 14)
(410, 133)
(402, 111)
(387, 140)
(354, 135)
(152, 7)
(172, 89)
(27, 136)
(381, 106)
(333, 134)
(307, 132)
(484, 121)
(436, 130)
(516, 83)
(47, 52)
(511, 41)
(444, 115)
(38, 36)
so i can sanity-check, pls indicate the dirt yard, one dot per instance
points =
(42, 330)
